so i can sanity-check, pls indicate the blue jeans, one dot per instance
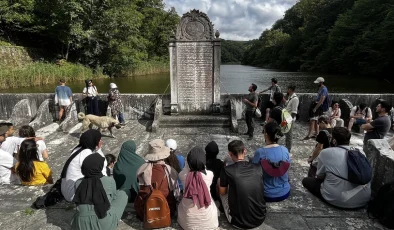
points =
(277, 199)
(360, 122)
(121, 118)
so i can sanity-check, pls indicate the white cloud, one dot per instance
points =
(237, 19)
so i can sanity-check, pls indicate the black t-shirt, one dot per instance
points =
(322, 138)
(216, 166)
(381, 126)
(276, 114)
(245, 194)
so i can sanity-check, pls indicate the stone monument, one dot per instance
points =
(195, 66)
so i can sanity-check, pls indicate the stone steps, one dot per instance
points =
(167, 121)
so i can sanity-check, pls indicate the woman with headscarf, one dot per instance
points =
(125, 169)
(91, 93)
(115, 103)
(213, 164)
(89, 143)
(155, 170)
(197, 210)
(99, 205)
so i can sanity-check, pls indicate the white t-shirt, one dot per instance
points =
(40, 148)
(365, 113)
(74, 173)
(91, 91)
(337, 191)
(292, 104)
(7, 161)
(10, 145)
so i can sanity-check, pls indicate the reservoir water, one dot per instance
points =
(234, 79)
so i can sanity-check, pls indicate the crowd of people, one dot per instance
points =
(64, 98)
(198, 187)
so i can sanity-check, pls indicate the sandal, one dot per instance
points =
(306, 138)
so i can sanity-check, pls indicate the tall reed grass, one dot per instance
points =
(148, 67)
(41, 73)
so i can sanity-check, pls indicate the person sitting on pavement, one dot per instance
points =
(11, 142)
(99, 205)
(30, 169)
(215, 165)
(27, 131)
(276, 180)
(330, 183)
(241, 189)
(274, 88)
(323, 142)
(111, 160)
(360, 115)
(155, 170)
(335, 115)
(7, 162)
(197, 210)
(176, 161)
(90, 142)
(125, 169)
(379, 127)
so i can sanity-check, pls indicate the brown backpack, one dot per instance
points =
(156, 211)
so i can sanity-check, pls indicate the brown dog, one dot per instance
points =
(102, 123)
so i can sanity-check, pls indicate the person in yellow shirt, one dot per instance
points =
(30, 169)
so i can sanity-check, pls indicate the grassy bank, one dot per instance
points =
(40, 73)
(148, 67)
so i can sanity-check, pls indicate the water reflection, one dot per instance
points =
(235, 79)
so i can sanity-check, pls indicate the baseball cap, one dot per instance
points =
(171, 143)
(3, 130)
(319, 80)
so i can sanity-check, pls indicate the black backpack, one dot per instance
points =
(382, 207)
(358, 166)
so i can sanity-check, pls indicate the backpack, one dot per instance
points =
(287, 120)
(358, 166)
(156, 210)
(382, 207)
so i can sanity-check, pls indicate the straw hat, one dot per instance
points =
(157, 151)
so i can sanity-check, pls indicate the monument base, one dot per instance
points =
(174, 109)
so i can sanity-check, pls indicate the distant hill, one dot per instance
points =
(233, 51)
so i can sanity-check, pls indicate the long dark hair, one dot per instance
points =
(172, 161)
(27, 154)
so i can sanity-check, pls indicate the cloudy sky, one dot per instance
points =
(236, 19)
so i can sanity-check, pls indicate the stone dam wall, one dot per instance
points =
(142, 106)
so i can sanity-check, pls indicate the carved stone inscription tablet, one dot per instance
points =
(195, 71)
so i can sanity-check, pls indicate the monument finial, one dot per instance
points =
(217, 34)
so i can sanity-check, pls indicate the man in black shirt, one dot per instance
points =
(323, 140)
(251, 105)
(276, 112)
(242, 189)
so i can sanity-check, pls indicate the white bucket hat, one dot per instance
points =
(157, 151)
(171, 143)
(319, 80)
(112, 86)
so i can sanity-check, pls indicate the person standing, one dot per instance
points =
(115, 103)
(63, 97)
(274, 88)
(90, 91)
(291, 104)
(318, 107)
(251, 105)
(379, 127)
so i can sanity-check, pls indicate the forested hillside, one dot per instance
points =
(338, 36)
(114, 35)
(233, 51)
